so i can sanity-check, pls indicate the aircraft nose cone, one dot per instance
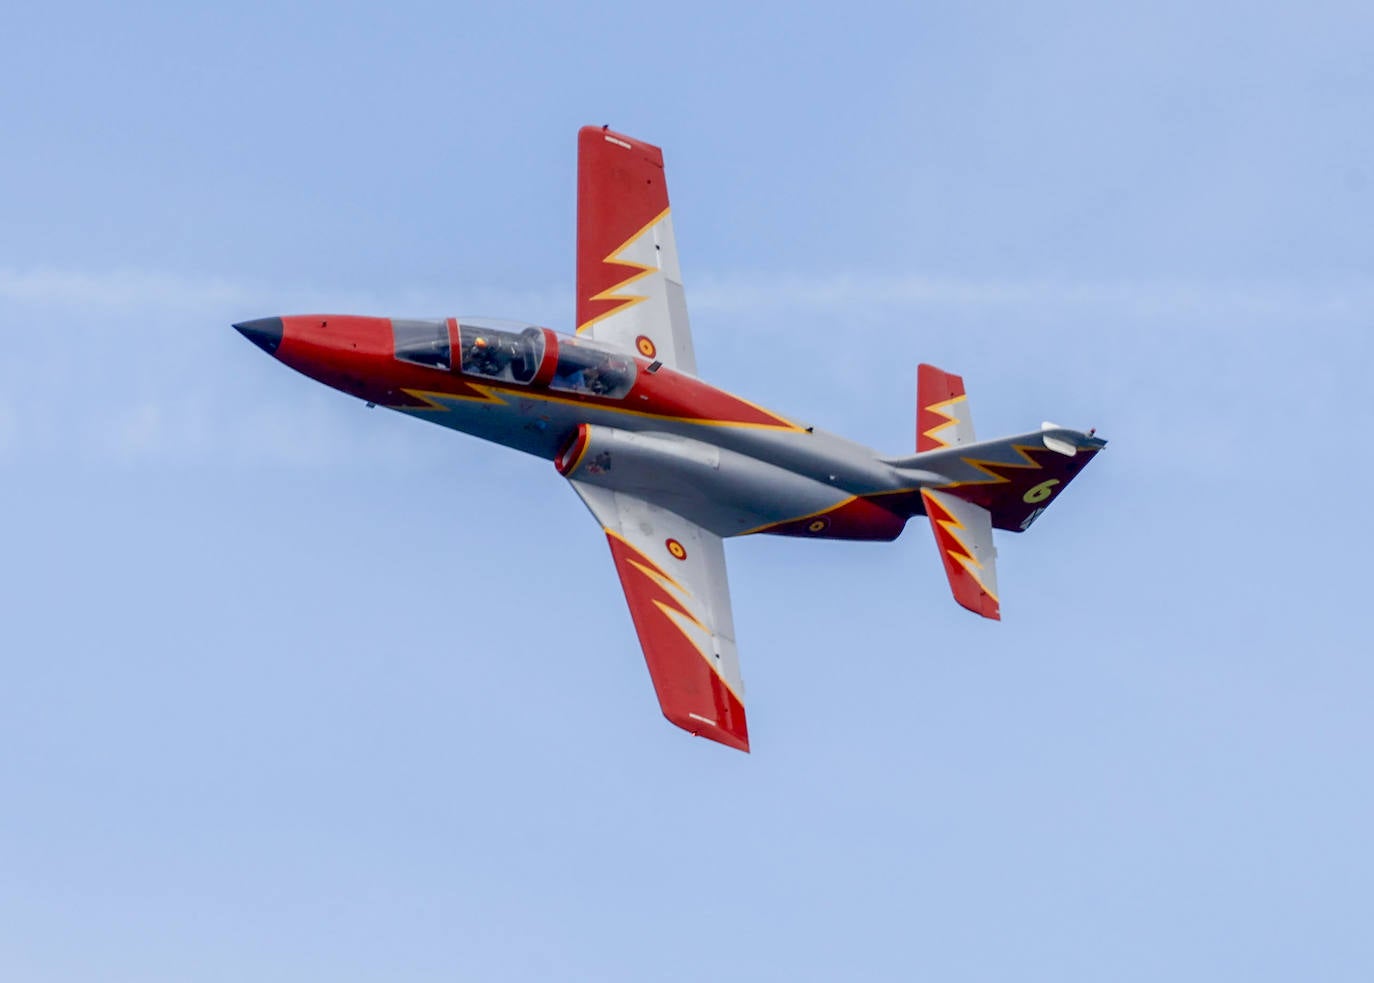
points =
(265, 332)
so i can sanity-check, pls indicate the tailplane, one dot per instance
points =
(963, 534)
(970, 487)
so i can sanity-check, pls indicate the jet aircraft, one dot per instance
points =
(669, 465)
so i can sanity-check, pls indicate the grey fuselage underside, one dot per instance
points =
(542, 428)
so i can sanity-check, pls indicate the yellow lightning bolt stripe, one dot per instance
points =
(984, 465)
(801, 518)
(434, 397)
(981, 464)
(966, 558)
(656, 574)
(950, 418)
(493, 394)
(782, 424)
(675, 616)
(625, 301)
(675, 613)
(647, 565)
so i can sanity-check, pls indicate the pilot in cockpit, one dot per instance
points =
(594, 380)
(487, 356)
(603, 378)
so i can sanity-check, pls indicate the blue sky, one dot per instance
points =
(293, 689)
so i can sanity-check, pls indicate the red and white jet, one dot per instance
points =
(670, 465)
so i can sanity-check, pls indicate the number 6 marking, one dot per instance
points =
(1040, 492)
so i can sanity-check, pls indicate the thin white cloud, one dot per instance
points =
(115, 290)
(732, 293)
(173, 382)
(154, 293)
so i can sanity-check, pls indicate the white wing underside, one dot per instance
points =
(674, 577)
(659, 311)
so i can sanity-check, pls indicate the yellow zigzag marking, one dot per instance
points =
(433, 397)
(966, 558)
(489, 394)
(674, 614)
(994, 478)
(652, 571)
(810, 515)
(663, 579)
(625, 301)
(950, 418)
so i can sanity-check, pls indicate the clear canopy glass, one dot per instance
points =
(586, 367)
(422, 342)
(509, 353)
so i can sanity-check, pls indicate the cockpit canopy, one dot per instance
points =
(587, 367)
(511, 352)
(422, 342)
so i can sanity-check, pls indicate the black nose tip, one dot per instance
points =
(265, 332)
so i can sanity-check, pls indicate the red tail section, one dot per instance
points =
(1013, 478)
(968, 487)
(1017, 478)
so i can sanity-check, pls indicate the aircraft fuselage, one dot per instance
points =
(670, 466)
(587, 408)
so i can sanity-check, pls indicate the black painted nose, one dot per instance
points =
(265, 332)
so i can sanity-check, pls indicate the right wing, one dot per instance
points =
(629, 284)
(673, 574)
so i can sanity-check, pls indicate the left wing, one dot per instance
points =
(673, 574)
(629, 284)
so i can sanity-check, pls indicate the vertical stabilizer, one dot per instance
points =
(942, 415)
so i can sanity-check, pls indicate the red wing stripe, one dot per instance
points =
(691, 693)
(621, 191)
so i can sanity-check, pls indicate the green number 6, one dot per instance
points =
(1040, 492)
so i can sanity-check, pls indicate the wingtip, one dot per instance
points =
(729, 740)
(738, 742)
(737, 738)
(985, 606)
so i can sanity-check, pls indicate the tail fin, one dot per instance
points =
(969, 488)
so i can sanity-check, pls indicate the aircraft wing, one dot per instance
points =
(673, 574)
(629, 284)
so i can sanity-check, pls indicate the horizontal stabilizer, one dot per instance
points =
(963, 534)
(942, 413)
